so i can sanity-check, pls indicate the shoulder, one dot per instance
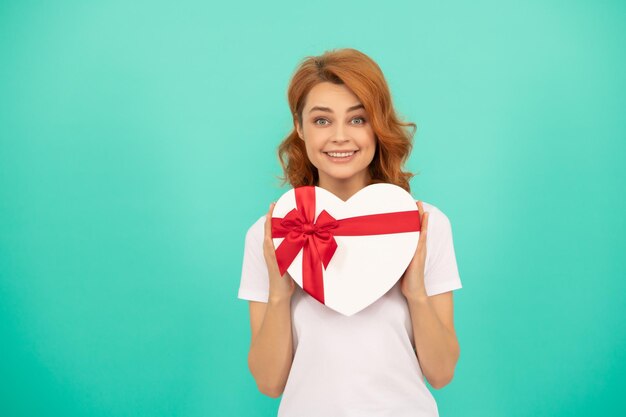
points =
(434, 212)
(257, 229)
(438, 221)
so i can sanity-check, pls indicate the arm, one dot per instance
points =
(435, 340)
(436, 343)
(271, 349)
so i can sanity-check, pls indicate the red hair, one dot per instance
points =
(364, 78)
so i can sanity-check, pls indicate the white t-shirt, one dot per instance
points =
(364, 365)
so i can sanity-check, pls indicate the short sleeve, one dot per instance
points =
(441, 273)
(254, 283)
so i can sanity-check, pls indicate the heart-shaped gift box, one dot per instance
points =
(345, 254)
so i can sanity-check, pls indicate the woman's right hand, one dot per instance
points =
(280, 287)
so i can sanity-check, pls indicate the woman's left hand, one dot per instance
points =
(412, 281)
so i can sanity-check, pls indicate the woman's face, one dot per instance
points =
(334, 120)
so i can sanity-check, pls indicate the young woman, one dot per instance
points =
(346, 136)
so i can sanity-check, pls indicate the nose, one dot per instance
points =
(340, 133)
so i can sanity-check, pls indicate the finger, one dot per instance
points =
(269, 249)
(424, 230)
(420, 208)
(268, 221)
(269, 242)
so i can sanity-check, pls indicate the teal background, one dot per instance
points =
(137, 145)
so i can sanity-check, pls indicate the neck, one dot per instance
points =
(344, 188)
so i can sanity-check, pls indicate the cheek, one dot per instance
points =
(314, 140)
(368, 139)
(312, 150)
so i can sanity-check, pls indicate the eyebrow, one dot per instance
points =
(327, 109)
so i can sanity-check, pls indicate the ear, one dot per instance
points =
(298, 127)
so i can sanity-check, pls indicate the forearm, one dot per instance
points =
(437, 347)
(271, 351)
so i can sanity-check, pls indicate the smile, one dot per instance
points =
(340, 156)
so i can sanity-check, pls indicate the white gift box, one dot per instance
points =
(346, 254)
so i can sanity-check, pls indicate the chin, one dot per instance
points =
(343, 176)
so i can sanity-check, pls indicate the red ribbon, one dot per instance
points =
(317, 237)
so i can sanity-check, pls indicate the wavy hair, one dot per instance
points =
(365, 79)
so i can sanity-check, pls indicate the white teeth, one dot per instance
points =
(340, 155)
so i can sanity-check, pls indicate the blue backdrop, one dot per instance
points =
(138, 144)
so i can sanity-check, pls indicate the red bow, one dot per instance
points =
(317, 238)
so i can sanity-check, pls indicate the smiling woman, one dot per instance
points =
(343, 93)
(347, 136)
(340, 149)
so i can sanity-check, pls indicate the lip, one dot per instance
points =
(341, 160)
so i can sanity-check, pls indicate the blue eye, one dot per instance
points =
(361, 119)
(317, 120)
